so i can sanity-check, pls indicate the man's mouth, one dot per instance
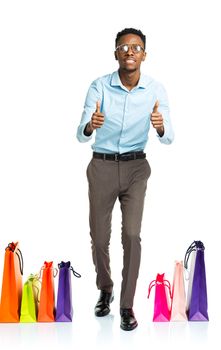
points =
(130, 60)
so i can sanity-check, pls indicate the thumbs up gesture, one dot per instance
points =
(97, 119)
(157, 120)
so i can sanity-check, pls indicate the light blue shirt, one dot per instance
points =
(126, 114)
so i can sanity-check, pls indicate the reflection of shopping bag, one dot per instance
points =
(178, 311)
(161, 301)
(197, 309)
(30, 299)
(46, 304)
(64, 310)
(11, 284)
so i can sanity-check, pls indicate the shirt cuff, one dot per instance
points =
(81, 136)
(167, 137)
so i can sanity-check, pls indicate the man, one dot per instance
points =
(120, 107)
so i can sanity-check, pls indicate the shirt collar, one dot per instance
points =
(115, 81)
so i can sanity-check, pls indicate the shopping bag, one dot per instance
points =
(162, 308)
(47, 301)
(30, 299)
(178, 310)
(64, 309)
(11, 284)
(198, 306)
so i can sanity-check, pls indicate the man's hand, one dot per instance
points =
(97, 120)
(157, 120)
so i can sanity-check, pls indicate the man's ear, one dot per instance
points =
(115, 55)
(144, 56)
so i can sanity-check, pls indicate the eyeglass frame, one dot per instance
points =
(130, 46)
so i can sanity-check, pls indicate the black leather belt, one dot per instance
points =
(118, 157)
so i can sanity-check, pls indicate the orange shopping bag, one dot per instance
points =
(46, 309)
(11, 284)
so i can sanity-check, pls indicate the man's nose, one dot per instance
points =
(130, 51)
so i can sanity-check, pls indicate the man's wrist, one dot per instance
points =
(160, 131)
(88, 130)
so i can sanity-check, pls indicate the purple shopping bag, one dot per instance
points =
(64, 310)
(197, 309)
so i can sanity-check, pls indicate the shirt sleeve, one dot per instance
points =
(163, 108)
(94, 94)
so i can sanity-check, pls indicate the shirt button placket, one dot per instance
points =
(124, 124)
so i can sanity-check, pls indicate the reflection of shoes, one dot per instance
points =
(102, 308)
(128, 320)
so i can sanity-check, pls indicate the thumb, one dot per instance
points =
(155, 108)
(98, 106)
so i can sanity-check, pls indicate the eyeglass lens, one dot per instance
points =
(135, 48)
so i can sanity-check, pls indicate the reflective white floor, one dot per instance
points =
(86, 330)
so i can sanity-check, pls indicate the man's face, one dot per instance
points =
(130, 61)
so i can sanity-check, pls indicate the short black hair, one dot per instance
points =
(130, 31)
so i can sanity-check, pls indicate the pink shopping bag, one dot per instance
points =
(162, 308)
(178, 311)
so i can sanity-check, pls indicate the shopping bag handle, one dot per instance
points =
(196, 245)
(21, 261)
(62, 264)
(36, 277)
(55, 271)
(38, 292)
(11, 246)
(155, 282)
(76, 274)
(151, 285)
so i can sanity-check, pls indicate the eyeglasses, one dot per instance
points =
(124, 48)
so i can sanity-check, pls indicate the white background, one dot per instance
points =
(50, 51)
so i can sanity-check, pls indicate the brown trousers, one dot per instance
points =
(127, 181)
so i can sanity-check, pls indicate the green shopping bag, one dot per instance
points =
(30, 299)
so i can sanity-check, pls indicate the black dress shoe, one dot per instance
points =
(102, 308)
(128, 320)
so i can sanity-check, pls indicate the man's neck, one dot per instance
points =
(129, 79)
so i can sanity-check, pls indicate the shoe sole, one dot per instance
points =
(129, 329)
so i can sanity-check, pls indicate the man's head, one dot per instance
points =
(130, 49)
(130, 31)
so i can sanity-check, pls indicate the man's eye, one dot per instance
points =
(137, 48)
(124, 48)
